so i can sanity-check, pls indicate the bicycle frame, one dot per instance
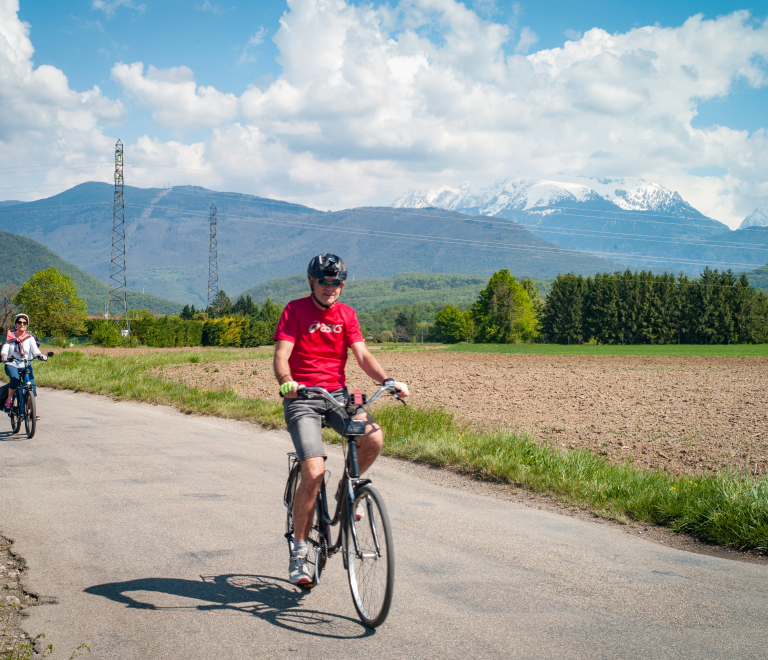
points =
(24, 387)
(350, 481)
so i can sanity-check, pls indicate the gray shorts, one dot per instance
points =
(305, 419)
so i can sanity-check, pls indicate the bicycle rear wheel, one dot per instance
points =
(15, 415)
(30, 415)
(316, 558)
(372, 572)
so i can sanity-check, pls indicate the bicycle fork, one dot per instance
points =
(354, 469)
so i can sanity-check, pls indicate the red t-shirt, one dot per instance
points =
(321, 340)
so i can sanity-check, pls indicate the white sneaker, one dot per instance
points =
(298, 571)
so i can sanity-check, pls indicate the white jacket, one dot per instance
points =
(12, 349)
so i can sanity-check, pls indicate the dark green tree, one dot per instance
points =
(562, 320)
(270, 312)
(188, 313)
(221, 306)
(601, 309)
(402, 327)
(245, 306)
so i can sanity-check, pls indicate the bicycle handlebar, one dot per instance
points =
(303, 389)
(27, 360)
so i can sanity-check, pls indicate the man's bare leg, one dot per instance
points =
(369, 446)
(312, 471)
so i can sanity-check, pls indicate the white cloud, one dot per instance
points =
(527, 39)
(255, 40)
(110, 7)
(173, 97)
(42, 120)
(214, 9)
(573, 35)
(373, 101)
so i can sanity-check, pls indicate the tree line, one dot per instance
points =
(612, 308)
(607, 308)
(242, 325)
(643, 308)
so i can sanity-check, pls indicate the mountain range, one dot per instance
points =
(630, 221)
(259, 239)
(758, 218)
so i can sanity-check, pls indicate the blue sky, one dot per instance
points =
(533, 115)
(213, 40)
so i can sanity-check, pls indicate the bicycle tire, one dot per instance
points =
(372, 576)
(15, 415)
(315, 556)
(290, 493)
(30, 415)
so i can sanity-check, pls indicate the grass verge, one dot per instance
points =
(727, 509)
(125, 377)
(637, 350)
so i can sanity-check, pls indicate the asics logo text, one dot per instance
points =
(324, 328)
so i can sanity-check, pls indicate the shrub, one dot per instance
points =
(104, 333)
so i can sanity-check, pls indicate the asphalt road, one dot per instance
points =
(161, 536)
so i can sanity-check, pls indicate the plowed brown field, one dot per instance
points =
(680, 414)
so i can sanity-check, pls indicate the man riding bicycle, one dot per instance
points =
(312, 339)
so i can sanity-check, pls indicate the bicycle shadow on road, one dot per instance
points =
(274, 600)
(10, 435)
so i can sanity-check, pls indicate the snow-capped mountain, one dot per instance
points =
(628, 194)
(626, 220)
(758, 218)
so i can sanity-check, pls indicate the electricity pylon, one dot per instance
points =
(213, 263)
(118, 298)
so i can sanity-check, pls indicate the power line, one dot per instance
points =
(556, 249)
(221, 175)
(484, 220)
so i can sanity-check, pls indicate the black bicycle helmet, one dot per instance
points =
(327, 266)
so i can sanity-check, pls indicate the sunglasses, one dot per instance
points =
(334, 283)
(21, 323)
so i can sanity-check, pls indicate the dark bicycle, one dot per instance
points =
(23, 404)
(366, 544)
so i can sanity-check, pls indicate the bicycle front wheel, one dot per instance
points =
(371, 571)
(15, 415)
(30, 415)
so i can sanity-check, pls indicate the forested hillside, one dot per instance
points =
(758, 278)
(21, 257)
(435, 289)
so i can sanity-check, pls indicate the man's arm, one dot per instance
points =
(370, 365)
(283, 350)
